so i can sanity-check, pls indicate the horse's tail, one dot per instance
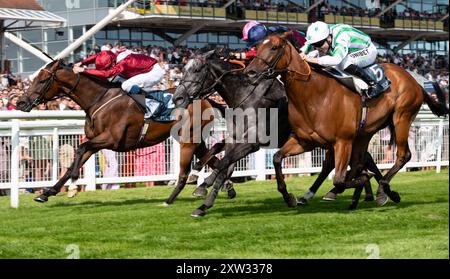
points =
(218, 106)
(438, 108)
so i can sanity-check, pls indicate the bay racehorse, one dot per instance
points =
(113, 121)
(207, 73)
(325, 113)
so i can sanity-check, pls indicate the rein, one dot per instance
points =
(52, 78)
(270, 72)
(48, 84)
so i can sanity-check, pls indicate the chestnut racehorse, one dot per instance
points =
(113, 121)
(324, 113)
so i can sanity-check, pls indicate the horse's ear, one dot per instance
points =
(286, 35)
(209, 54)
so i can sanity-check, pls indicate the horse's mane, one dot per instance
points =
(101, 81)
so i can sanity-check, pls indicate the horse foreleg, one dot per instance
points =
(342, 155)
(80, 159)
(206, 157)
(356, 196)
(372, 167)
(228, 184)
(290, 148)
(327, 167)
(56, 188)
(209, 181)
(231, 156)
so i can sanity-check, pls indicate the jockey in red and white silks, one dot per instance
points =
(141, 71)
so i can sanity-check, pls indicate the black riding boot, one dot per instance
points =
(359, 72)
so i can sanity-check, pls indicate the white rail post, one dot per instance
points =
(176, 158)
(439, 148)
(260, 164)
(89, 173)
(15, 150)
(55, 156)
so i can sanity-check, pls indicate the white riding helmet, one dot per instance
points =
(317, 32)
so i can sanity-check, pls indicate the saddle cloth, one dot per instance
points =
(358, 85)
(157, 105)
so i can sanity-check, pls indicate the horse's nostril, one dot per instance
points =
(178, 100)
(251, 73)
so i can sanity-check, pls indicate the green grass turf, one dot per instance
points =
(130, 223)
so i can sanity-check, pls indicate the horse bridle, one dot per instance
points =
(271, 72)
(48, 84)
(205, 93)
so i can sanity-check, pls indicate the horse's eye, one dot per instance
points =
(274, 48)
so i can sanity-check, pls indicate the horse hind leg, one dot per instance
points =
(403, 156)
(186, 153)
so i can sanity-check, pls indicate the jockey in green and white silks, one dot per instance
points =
(341, 46)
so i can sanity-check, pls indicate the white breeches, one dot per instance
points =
(361, 58)
(145, 81)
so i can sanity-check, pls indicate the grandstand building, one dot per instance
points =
(396, 26)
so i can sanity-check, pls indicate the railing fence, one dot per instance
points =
(35, 153)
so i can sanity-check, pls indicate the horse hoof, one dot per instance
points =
(200, 192)
(369, 198)
(330, 196)
(353, 206)
(395, 197)
(164, 204)
(291, 201)
(382, 200)
(192, 179)
(198, 213)
(302, 201)
(72, 193)
(231, 194)
(41, 198)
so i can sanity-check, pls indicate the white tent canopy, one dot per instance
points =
(30, 15)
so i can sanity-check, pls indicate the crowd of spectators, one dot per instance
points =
(434, 68)
(173, 59)
(366, 8)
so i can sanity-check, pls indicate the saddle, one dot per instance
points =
(358, 85)
(156, 105)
